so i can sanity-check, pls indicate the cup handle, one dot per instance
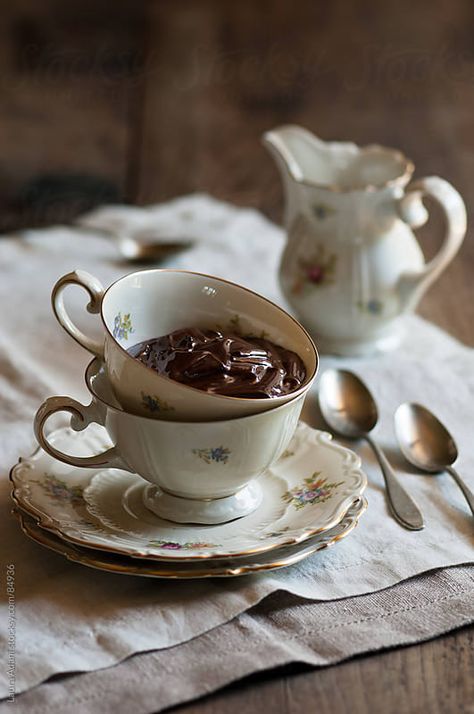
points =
(81, 417)
(412, 285)
(96, 293)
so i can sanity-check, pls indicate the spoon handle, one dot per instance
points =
(403, 507)
(468, 494)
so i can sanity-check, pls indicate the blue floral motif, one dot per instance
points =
(323, 210)
(122, 326)
(155, 405)
(218, 454)
(374, 306)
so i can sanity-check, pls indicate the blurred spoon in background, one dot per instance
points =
(143, 247)
(149, 248)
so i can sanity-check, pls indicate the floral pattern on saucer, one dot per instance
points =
(172, 545)
(60, 491)
(313, 490)
(112, 516)
(186, 570)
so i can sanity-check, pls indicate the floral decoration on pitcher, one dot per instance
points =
(373, 306)
(155, 405)
(218, 454)
(59, 490)
(315, 271)
(323, 210)
(122, 326)
(173, 545)
(313, 490)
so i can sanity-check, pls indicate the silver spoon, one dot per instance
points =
(350, 411)
(150, 250)
(427, 444)
(143, 247)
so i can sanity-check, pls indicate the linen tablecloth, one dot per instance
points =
(282, 629)
(72, 619)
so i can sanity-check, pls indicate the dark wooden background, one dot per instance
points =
(142, 101)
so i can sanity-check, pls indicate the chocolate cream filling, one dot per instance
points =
(223, 363)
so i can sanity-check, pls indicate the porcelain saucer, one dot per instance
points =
(306, 492)
(186, 570)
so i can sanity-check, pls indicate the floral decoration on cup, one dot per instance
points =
(122, 326)
(155, 405)
(218, 454)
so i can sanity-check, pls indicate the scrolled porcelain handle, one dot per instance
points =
(81, 417)
(412, 285)
(96, 293)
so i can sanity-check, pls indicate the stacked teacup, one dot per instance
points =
(200, 451)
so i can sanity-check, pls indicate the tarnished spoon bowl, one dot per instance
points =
(143, 246)
(423, 440)
(427, 444)
(350, 410)
(346, 404)
(149, 251)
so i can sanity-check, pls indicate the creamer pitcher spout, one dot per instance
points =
(279, 144)
(296, 152)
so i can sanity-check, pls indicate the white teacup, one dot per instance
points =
(200, 472)
(151, 303)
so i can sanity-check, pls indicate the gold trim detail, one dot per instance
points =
(131, 566)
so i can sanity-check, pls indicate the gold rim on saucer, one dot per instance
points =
(130, 566)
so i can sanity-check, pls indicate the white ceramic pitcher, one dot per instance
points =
(352, 266)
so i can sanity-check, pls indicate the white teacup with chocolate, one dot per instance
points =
(185, 346)
(198, 472)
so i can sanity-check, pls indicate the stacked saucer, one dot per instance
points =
(313, 499)
(159, 478)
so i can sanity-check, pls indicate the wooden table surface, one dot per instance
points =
(158, 99)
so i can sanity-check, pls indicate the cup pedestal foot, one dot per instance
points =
(205, 511)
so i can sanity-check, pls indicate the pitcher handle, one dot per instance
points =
(412, 285)
(96, 293)
(81, 417)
